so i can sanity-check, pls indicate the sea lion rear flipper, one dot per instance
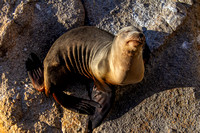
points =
(35, 72)
(104, 95)
(79, 105)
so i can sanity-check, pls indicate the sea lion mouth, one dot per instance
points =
(135, 43)
(137, 39)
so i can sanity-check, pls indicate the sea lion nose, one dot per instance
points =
(141, 35)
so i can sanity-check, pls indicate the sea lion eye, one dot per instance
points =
(127, 31)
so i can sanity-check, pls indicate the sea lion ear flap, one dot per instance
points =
(146, 53)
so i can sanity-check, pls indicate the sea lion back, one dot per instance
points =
(74, 51)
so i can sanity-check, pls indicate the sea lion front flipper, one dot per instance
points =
(104, 95)
(79, 105)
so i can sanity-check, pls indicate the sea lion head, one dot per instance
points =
(127, 60)
(130, 40)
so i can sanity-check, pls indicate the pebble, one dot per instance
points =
(25, 49)
(38, 7)
(26, 85)
(185, 45)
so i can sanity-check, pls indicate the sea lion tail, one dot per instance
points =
(35, 71)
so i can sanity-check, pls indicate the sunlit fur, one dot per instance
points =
(122, 62)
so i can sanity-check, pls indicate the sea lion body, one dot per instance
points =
(95, 54)
(74, 53)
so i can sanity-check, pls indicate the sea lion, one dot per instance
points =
(95, 54)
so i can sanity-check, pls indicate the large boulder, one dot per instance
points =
(157, 18)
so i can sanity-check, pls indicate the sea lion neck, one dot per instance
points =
(117, 64)
(101, 63)
(125, 63)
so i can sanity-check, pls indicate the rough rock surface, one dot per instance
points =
(42, 21)
(167, 100)
(30, 26)
(158, 18)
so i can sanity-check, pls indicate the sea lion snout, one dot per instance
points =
(135, 39)
(132, 36)
(139, 37)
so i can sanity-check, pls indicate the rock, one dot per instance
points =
(30, 26)
(73, 122)
(162, 112)
(167, 100)
(44, 21)
(158, 18)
